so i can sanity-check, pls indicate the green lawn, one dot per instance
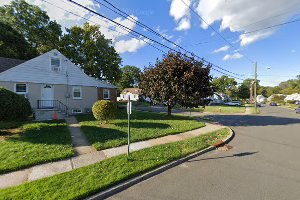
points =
(221, 109)
(144, 126)
(23, 144)
(89, 180)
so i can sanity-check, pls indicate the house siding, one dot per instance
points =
(112, 93)
(89, 95)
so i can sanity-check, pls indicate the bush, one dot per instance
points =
(13, 106)
(291, 101)
(104, 110)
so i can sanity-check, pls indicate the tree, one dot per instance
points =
(130, 77)
(177, 79)
(14, 45)
(226, 85)
(33, 23)
(87, 47)
(244, 88)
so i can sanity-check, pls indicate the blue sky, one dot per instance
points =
(276, 48)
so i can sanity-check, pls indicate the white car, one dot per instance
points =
(297, 110)
(233, 103)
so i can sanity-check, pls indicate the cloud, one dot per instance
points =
(224, 48)
(109, 29)
(180, 12)
(163, 33)
(293, 51)
(245, 16)
(131, 45)
(232, 56)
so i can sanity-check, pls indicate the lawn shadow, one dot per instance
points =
(102, 134)
(56, 134)
(252, 120)
(243, 154)
(134, 124)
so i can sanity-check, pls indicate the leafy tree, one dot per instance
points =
(130, 77)
(177, 79)
(87, 47)
(13, 44)
(244, 88)
(33, 23)
(226, 85)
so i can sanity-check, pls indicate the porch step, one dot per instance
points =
(47, 114)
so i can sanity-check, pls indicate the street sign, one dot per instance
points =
(129, 107)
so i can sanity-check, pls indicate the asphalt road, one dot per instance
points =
(264, 163)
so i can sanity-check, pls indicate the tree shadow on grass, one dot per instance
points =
(252, 120)
(143, 125)
(100, 134)
(56, 134)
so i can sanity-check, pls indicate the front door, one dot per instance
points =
(47, 96)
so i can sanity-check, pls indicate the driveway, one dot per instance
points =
(264, 163)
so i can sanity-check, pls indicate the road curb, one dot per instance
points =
(126, 184)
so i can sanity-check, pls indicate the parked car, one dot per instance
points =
(273, 104)
(297, 110)
(297, 102)
(233, 103)
(258, 104)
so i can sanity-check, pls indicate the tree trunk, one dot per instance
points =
(169, 110)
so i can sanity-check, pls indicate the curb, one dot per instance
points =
(126, 184)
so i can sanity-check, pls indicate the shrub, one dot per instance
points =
(13, 106)
(291, 101)
(104, 110)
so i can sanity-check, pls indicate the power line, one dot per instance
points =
(128, 29)
(250, 60)
(124, 14)
(131, 34)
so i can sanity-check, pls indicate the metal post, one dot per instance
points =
(255, 80)
(128, 112)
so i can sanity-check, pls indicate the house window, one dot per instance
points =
(55, 64)
(76, 111)
(77, 94)
(106, 94)
(21, 88)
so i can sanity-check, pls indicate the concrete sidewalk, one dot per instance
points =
(87, 158)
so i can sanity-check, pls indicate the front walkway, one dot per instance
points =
(91, 156)
(80, 143)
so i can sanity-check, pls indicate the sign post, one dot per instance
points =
(129, 113)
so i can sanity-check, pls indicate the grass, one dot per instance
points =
(289, 106)
(144, 126)
(221, 109)
(89, 180)
(24, 144)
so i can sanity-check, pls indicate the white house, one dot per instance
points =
(134, 94)
(52, 82)
(261, 99)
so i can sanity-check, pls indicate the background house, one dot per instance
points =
(52, 82)
(133, 92)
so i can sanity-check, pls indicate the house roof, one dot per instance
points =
(132, 90)
(38, 70)
(7, 63)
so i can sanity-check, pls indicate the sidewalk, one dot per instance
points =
(90, 157)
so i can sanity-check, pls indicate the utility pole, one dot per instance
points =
(255, 80)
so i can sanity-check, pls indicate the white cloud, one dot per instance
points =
(293, 51)
(131, 45)
(213, 33)
(232, 56)
(246, 16)
(224, 48)
(180, 12)
(66, 19)
(163, 33)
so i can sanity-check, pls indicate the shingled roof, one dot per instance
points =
(132, 91)
(7, 63)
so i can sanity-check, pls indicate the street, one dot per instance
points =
(263, 163)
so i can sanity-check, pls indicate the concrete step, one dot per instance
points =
(47, 114)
